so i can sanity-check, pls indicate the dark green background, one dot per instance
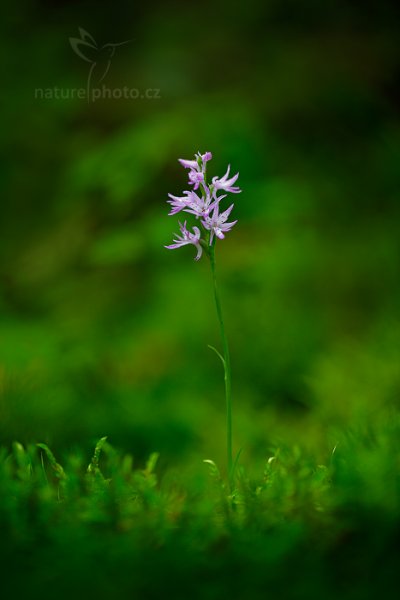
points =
(102, 330)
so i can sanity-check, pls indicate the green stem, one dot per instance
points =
(227, 368)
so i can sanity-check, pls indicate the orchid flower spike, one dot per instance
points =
(205, 206)
(203, 202)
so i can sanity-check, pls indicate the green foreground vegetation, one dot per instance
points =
(105, 527)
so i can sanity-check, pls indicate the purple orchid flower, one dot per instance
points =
(201, 207)
(216, 223)
(226, 184)
(204, 157)
(179, 203)
(197, 168)
(196, 178)
(198, 163)
(187, 238)
(204, 205)
(192, 203)
(189, 164)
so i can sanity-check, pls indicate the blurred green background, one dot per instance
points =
(102, 330)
